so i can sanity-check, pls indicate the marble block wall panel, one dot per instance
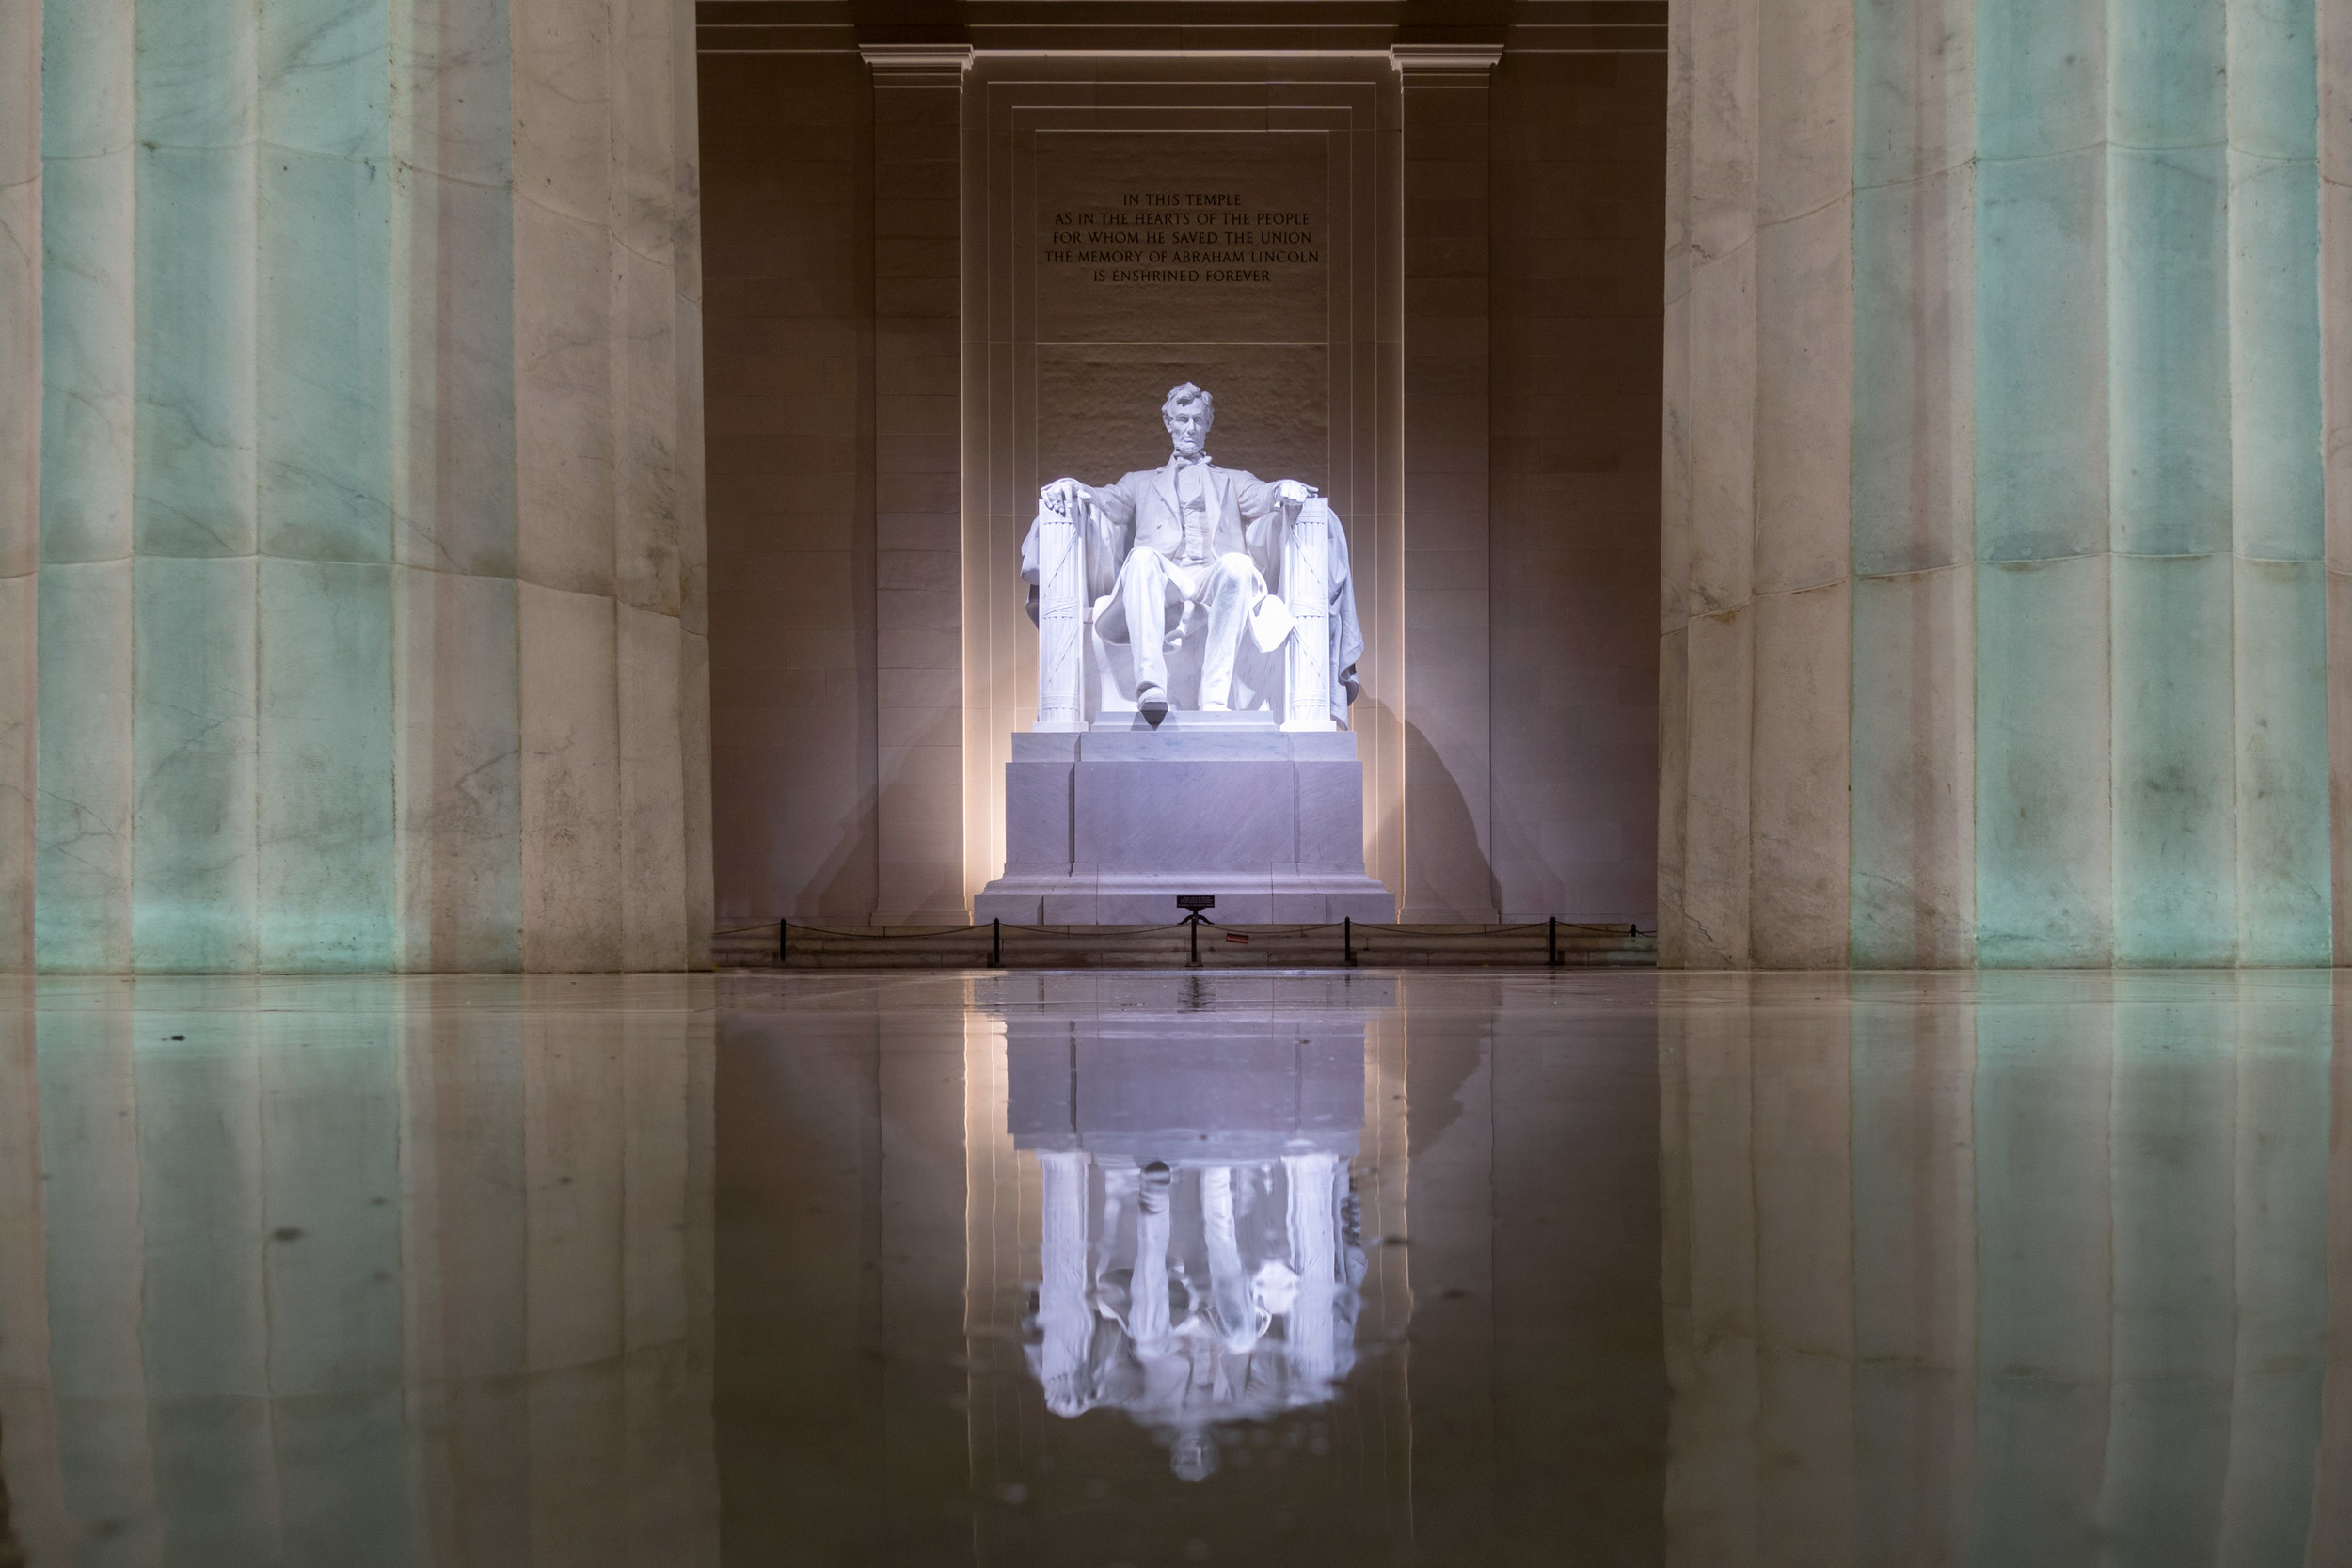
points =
(363, 573)
(2016, 319)
(1444, 116)
(1173, 816)
(1578, 160)
(795, 514)
(916, 262)
(1040, 800)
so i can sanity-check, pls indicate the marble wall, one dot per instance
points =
(786, 183)
(1997, 611)
(1578, 152)
(370, 592)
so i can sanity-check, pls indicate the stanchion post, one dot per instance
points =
(1347, 939)
(1551, 942)
(784, 940)
(996, 944)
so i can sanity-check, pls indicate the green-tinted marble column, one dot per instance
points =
(2335, 341)
(20, 464)
(370, 581)
(2072, 363)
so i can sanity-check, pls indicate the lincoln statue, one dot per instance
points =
(1192, 549)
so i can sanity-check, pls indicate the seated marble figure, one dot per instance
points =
(1184, 579)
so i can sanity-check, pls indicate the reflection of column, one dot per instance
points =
(206, 1330)
(2088, 1288)
(1712, 1485)
(1449, 1087)
(559, 1191)
(463, 1250)
(1314, 1182)
(1062, 1311)
(1914, 1250)
(2044, 1253)
(29, 1471)
(2285, 1045)
(1804, 1270)
(1236, 1315)
(573, 1173)
(251, 1356)
(2332, 1518)
(919, 1217)
(1147, 1299)
(97, 1263)
(2175, 1287)
(330, 1125)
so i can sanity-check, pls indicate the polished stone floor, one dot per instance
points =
(1076, 1271)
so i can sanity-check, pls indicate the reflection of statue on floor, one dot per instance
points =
(1192, 551)
(1195, 1295)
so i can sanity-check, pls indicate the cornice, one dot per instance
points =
(918, 65)
(1446, 64)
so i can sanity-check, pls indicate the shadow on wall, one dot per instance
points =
(846, 882)
(1440, 831)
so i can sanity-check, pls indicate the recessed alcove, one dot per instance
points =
(1466, 358)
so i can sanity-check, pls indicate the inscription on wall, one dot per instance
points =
(1178, 237)
(1185, 254)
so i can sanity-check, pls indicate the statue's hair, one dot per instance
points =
(1183, 395)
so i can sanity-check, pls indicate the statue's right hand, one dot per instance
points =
(1064, 498)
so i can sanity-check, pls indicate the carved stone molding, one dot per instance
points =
(918, 65)
(1445, 64)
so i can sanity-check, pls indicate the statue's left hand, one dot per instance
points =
(1291, 492)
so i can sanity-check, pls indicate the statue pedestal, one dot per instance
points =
(1105, 827)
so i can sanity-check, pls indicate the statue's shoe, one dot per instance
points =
(1152, 703)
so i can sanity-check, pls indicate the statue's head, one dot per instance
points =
(1189, 413)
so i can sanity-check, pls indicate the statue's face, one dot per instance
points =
(1188, 427)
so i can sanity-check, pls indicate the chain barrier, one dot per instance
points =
(1351, 932)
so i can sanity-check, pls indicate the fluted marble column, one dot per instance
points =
(369, 521)
(1995, 623)
(20, 462)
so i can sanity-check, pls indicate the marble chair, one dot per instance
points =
(1109, 682)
